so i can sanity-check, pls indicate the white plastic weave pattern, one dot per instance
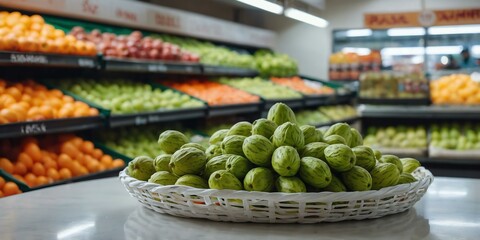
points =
(244, 206)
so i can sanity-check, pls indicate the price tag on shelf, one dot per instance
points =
(28, 58)
(85, 62)
(157, 68)
(140, 120)
(33, 128)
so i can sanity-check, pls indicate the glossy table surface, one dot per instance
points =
(102, 209)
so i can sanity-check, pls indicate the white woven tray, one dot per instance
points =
(244, 206)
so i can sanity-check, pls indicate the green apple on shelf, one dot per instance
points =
(264, 88)
(275, 64)
(125, 96)
(455, 136)
(326, 114)
(401, 137)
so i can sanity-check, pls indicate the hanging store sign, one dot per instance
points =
(425, 18)
(150, 17)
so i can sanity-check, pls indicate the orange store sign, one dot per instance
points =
(415, 19)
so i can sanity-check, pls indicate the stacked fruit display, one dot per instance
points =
(134, 141)
(393, 85)
(24, 33)
(397, 137)
(274, 154)
(339, 112)
(29, 101)
(52, 158)
(456, 136)
(125, 96)
(263, 88)
(212, 54)
(326, 114)
(212, 92)
(271, 64)
(8, 188)
(348, 66)
(455, 89)
(304, 86)
(134, 45)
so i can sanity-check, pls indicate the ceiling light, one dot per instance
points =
(402, 32)
(359, 33)
(465, 29)
(306, 17)
(265, 5)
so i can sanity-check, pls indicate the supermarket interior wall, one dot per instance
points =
(311, 46)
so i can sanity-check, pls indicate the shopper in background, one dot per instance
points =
(467, 60)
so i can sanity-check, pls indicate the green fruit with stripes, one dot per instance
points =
(384, 175)
(365, 157)
(311, 134)
(288, 134)
(194, 145)
(394, 160)
(241, 128)
(163, 178)
(290, 185)
(161, 162)
(406, 178)
(233, 145)
(335, 139)
(223, 179)
(215, 164)
(263, 127)
(315, 172)
(259, 179)
(171, 140)
(315, 149)
(409, 164)
(336, 185)
(357, 179)
(340, 157)
(141, 168)
(280, 113)
(213, 151)
(286, 161)
(258, 149)
(378, 154)
(356, 138)
(341, 129)
(238, 165)
(188, 161)
(218, 136)
(192, 181)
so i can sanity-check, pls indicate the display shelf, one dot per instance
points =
(292, 103)
(231, 109)
(350, 120)
(228, 71)
(47, 60)
(136, 65)
(117, 120)
(420, 112)
(61, 125)
(404, 102)
(435, 160)
(317, 100)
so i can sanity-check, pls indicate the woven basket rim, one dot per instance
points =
(424, 179)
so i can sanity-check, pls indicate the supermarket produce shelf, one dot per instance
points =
(47, 60)
(345, 120)
(292, 103)
(421, 112)
(404, 102)
(228, 71)
(117, 120)
(30, 128)
(131, 65)
(224, 110)
(312, 100)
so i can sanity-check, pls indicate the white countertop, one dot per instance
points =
(102, 209)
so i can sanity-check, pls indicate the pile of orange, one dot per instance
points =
(24, 33)
(8, 188)
(30, 101)
(296, 83)
(455, 89)
(53, 158)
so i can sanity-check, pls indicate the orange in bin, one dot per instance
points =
(53, 158)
